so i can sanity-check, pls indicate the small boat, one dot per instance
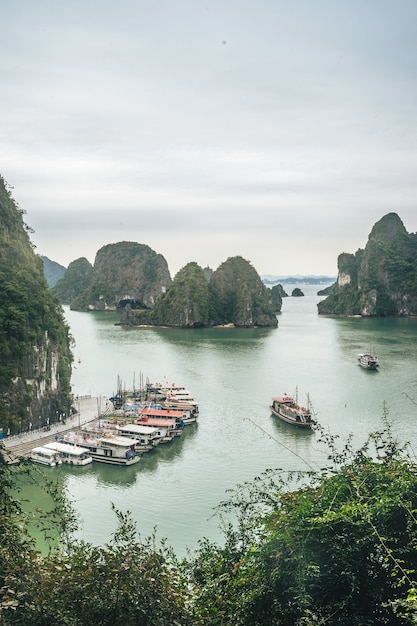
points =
(287, 409)
(45, 456)
(68, 453)
(368, 361)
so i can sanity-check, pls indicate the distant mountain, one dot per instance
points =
(297, 279)
(53, 271)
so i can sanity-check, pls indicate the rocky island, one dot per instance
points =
(380, 280)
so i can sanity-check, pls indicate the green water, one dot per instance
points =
(234, 373)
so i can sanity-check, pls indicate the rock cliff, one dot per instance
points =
(185, 304)
(35, 356)
(380, 280)
(125, 273)
(238, 296)
(233, 294)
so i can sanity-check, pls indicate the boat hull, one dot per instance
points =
(290, 420)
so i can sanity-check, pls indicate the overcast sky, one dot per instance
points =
(277, 130)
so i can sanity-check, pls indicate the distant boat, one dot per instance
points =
(287, 409)
(368, 361)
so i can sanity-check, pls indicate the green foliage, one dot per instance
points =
(75, 280)
(186, 302)
(383, 277)
(128, 582)
(339, 550)
(31, 320)
(341, 302)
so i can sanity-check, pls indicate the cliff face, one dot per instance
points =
(233, 294)
(185, 305)
(380, 280)
(238, 296)
(75, 280)
(35, 356)
(125, 273)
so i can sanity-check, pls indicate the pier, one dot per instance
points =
(89, 409)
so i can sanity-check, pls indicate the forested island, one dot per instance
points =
(380, 280)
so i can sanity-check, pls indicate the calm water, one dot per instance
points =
(234, 373)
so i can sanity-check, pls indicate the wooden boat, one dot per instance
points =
(368, 361)
(107, 448)
(68, 453)
(45, 456)
(287, 409)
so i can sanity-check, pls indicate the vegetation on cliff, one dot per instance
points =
(35, 356)
(233, 294)
(74, 282)
(337, 550)
(185, 304)
(380, 280)
(238, 296)
(125, 272)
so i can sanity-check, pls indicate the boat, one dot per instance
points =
(287, 409)
(147, 436)
(107, 448)
(68, 453)
(45, 456)
(167, 428)
(368, 361)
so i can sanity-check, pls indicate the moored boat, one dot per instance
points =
(45, 456)
(368, 361)
(108, 448)
(68, 453)
(147, 436)
(287, 409)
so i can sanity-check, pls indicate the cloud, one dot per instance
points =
(210, 129)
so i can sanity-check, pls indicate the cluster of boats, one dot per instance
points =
(139, 424)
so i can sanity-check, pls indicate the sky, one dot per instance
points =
(278, 131)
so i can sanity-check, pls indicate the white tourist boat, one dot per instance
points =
(368, 361)
(167, 428)
(68, 453)
(146, 436)
(107, 448)
(45, 456)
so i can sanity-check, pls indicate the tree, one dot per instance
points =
(339, 550)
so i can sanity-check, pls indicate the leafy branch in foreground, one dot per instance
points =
(338, 550)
